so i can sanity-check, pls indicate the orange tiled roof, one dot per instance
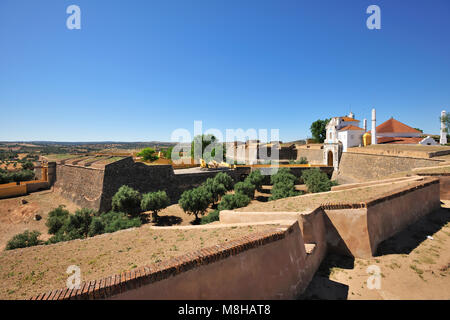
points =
(351, 128)
(393, 125)
(398, 140)
(348, 119)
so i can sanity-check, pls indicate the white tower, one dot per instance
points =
(443, 127)
(365, 125)
(374, 127)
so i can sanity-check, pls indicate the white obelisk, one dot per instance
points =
(443, 127)
(374, 127)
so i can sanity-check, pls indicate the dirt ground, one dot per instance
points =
(29, 271)
(16, 217)
(411, 265)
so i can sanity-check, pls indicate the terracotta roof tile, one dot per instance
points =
(348, 119)
(395, 126)
(398, 140)
(351, 128)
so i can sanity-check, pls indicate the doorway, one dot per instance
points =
(330, 158)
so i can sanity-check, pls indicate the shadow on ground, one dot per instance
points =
(321, 287)
(165, 221)
(411, 237)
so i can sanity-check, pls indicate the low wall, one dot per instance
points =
(357, 229)
(444, 181)
(311, 223)
(233, 270)
(36, 185)
(363, 167)
(13, 190)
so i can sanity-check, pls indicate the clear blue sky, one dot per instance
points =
(137, 70)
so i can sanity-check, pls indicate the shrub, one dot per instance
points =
(211, 217)
(23, 175)
(27, 165)
(233, 201)
(256, 178)
(283, 175)
(56, 219)
(17, 176)
(77, 225)
(23, 240)
(302, 160)
(195, 201)
(216, 189)
(224, 179)
(316, 180)
(127, 200)
(112, 222)
(148, 154)
(283, 190)
(283, 184)
(246, 188)
(155, 201)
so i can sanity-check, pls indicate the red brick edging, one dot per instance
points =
(115, 284)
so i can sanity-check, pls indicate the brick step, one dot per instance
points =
(310, 247)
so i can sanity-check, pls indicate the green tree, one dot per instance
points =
(283, 184)
(283, 175)
(148, 154)
(233, 201)
(56, 219)
(200, 143)
(195, 201)
(216, 189)
(23, 240)
(316, 180)
(245, 187)
(155, 202)
(168, 153)
(318, 130)
(282, 190)
(211, 217)
(28, 165)
(224, 179)
(127, 200)
(256, 178)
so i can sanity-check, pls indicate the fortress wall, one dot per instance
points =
(137, 175)
(358, 229)
(354, 229)
(80, 185)
(146, 178)
(231, 270)
(362, 167)
(387, 217)
(314, 156)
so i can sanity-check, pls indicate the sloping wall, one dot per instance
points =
(81, 185)
(363, 167)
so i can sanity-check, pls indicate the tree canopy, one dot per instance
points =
(318, 130)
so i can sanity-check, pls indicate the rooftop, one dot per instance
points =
(395, 126)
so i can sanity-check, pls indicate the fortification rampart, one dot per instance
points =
(361, 167)
(286, 259)
(232, 270)
(356, 229)
(92, 185)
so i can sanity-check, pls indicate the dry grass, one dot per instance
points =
(30, 271)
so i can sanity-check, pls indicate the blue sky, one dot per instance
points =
(137, 70)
